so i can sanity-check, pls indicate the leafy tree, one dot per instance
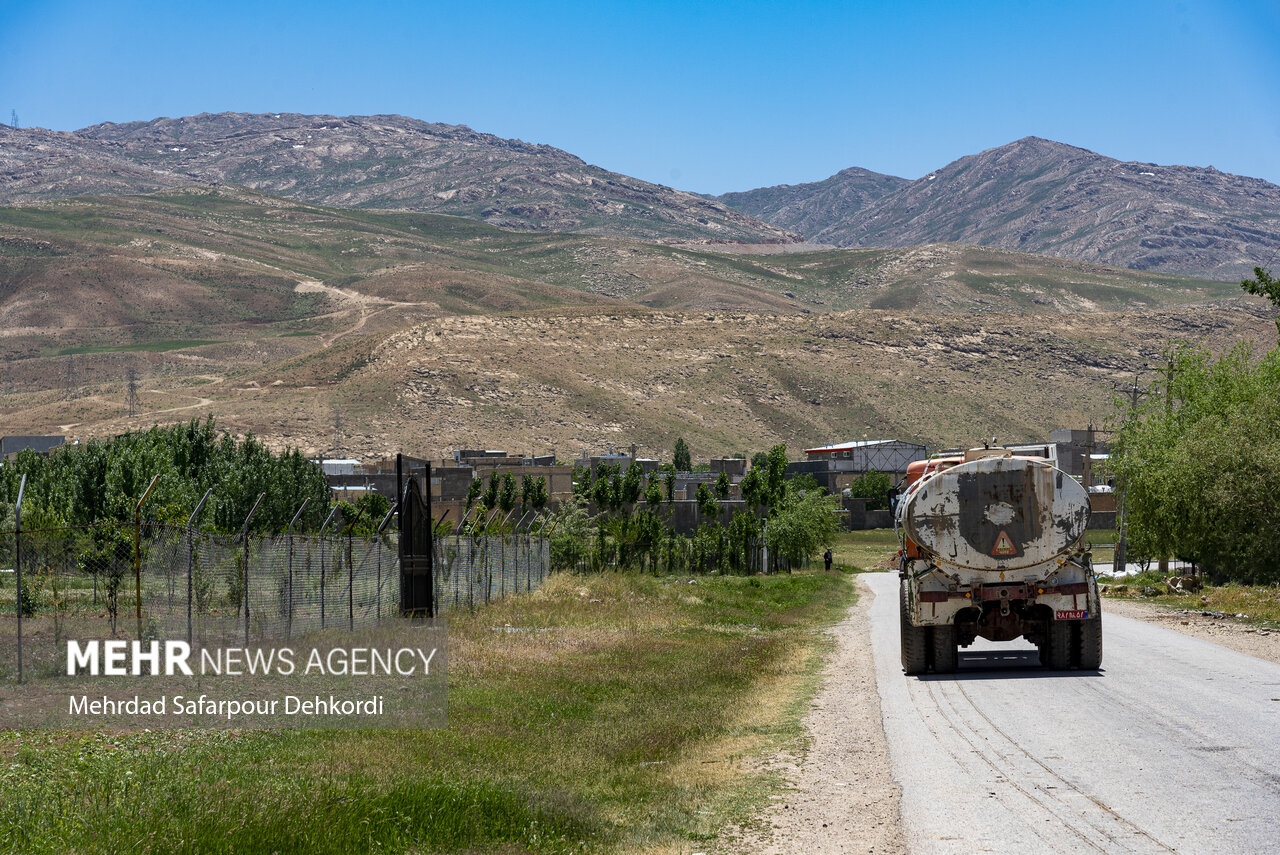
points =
(707, 504)
(632, 484)
(607, 488)
(753, 489)
(682, 459)
(669, 481)
(507, 494)
(582, 482)
(491, 490)
(1199, 465)
(570, 535)
(534, 494)
(874, 487)
(800, 524)
(653, 493)
(474, 490)
(775, 474)
(102, 481)
(1262, 284)
(723, 486)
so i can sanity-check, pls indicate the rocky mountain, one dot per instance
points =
(811, 208)
(1040, 196)
(388, 162)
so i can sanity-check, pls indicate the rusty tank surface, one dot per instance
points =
(993, 546)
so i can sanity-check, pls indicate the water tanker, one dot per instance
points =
(993, 545)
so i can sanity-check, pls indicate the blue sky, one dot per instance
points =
(705, 96)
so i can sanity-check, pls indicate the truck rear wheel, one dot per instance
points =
(1089, 644)
(1059, 646)
(945, 652)
(915, 647)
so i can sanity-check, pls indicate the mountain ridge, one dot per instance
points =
(382, 162)
(1042, 196)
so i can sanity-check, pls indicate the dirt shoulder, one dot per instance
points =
(1240, 637)
(842, 796)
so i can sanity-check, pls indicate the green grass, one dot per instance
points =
(602, 713)
(865, 550)
(146, 347)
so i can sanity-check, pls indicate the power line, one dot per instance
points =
(13, 118)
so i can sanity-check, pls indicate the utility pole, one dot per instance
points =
(1122, 546)
(1168, 409)
(13, 118)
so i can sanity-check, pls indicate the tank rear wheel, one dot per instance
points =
(915, 641)
(1059, 644)
(945, 652)
(1088, 647)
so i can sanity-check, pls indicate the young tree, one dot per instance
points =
(473, 491)
(723, 486)
(491, 490)
(632, 484)
(507, 493)
(653, 493)
(681, 457)
(707, 503)
(541, 493)
(753, 489)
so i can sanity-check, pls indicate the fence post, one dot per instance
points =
(17, 565)
(244, 535)
(378, 591)
(289, 583)
(191, 550)
(137, 552)
(323, 569)
(351, 569)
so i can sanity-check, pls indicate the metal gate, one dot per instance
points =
(417, 568)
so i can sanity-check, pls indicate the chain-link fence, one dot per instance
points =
(170, 582)
(474, 570)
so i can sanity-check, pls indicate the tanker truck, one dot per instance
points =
(993, 545)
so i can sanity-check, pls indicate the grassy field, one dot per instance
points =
(1260, 604)
(603, 713)
(865, 550)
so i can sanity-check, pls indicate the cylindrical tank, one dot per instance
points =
(997, 513)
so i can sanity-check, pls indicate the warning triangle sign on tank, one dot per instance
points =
(1004, 546)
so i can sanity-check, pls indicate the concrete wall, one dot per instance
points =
(858, 518)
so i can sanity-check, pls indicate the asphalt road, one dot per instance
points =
(1174, 746)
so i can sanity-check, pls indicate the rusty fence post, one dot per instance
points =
(191, 557)
(244, 535)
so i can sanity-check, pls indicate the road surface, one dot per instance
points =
(1174, 746)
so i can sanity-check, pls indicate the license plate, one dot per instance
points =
(1071, 615)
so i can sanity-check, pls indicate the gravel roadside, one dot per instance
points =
(842, 798)
(1240, 637)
